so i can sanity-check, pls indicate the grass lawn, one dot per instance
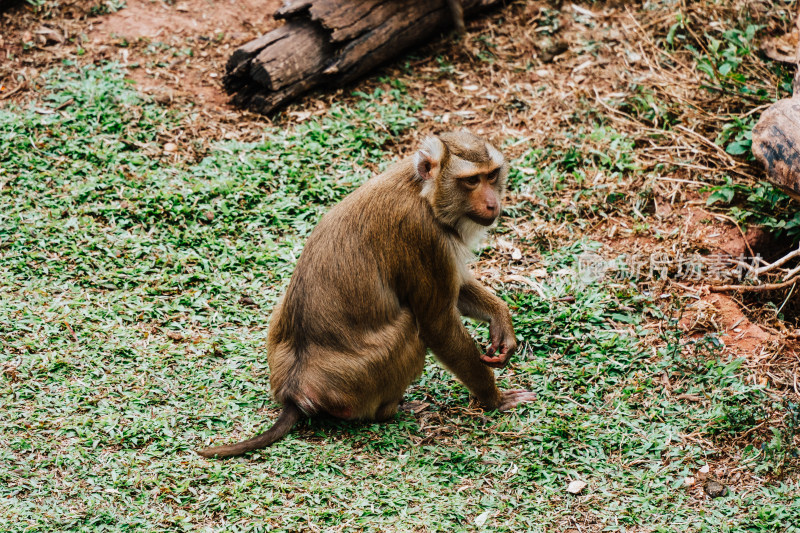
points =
(139, 262)
(127, 343)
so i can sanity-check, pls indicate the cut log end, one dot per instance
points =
(776, 144)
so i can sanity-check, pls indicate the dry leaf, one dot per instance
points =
(415, 407)
(715, 489)
(300, 116)
(690, 397)
(50, 35)
(247, 300)
(519, 279)
(575, 487)
(782, 48)
(502, 243)
(174, 335)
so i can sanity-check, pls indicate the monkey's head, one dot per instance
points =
(464, 178)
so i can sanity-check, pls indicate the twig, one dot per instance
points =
(785, 300)
(708, 142)
(16, 89)
(792, 272)
(796, 80)
(772, 266)
(748, 432)
(687, 288)
(678, 180)
(779, 262)
(753, 288)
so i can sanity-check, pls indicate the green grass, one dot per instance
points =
(108, 243)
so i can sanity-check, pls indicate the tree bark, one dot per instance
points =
(776, 144)
(776, 137)
(331, 43)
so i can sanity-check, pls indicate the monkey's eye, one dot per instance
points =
(493, 175)
(472, 181)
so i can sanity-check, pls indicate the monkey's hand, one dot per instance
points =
(504, 344)
(512, 398)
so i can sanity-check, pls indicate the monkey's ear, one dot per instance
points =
(428, 159)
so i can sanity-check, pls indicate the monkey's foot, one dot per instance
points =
(512, 398)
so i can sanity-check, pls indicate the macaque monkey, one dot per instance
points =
(384, 277)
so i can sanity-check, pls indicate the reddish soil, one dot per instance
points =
(211, 29)
(157, 20)
(722, 314)
(175, 52)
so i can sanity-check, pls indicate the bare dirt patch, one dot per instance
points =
(723, 315)
(157, 20)
(174, 52)
(199, 35)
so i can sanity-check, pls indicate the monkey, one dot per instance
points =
(383, 278)
(457, 12)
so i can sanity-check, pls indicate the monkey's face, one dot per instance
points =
(464, 177)
(481, 196)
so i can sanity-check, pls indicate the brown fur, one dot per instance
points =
(381, 279)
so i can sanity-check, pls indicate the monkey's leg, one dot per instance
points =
(408, 360)
(368, 382)
(387, 410)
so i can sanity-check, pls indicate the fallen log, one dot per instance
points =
(776, 144)
(776, 137)
(5, 4)
(331, 43)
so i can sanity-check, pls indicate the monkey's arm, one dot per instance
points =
(451, 343)
(475, 301)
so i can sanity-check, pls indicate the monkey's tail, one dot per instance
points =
(287, 419)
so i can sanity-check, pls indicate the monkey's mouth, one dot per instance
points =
(483, 221)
